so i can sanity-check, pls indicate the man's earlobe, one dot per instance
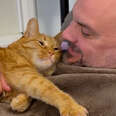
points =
(32, 28)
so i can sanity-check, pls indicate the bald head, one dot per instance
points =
(100, 13)
(93, 30)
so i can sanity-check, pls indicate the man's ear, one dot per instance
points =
(32, 28)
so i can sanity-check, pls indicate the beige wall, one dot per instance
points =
(8, 17)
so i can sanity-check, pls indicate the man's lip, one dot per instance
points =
(73, 52)
(75, 56)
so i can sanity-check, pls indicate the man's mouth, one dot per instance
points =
(74, 53)
(75, 57)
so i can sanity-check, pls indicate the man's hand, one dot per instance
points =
(3, 84)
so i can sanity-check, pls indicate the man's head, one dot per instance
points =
(93, 30)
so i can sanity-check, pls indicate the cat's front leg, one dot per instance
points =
(37, 86)
(69, 107)
(20, 103)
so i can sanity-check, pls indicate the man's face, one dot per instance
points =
(93, 30)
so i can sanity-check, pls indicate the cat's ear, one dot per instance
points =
(32, 28)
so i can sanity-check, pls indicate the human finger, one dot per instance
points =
(4, 84)
(0, 88)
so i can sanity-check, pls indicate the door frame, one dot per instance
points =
(26, 9)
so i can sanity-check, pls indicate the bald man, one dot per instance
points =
(93, 31)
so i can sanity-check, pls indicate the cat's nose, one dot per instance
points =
(51, 53)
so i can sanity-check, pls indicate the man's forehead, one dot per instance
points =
(97, 7)
(99, 14)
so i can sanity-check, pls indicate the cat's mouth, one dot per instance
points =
(48, 59)
(43, 64)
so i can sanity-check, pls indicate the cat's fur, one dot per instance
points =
(20, 63)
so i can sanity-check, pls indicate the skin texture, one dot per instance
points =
(25, 63)
(3, 84)
(93, 31)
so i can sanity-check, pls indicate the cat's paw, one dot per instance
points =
(74, 110)
(20, 103)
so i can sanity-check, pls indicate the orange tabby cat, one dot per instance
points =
(20, 63)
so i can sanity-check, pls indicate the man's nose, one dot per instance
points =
(68, 33)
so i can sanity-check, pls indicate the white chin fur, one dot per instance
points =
(43, 64)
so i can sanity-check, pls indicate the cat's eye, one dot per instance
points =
(41, 43)
(56, 49)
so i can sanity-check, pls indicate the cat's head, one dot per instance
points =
(44, 50)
